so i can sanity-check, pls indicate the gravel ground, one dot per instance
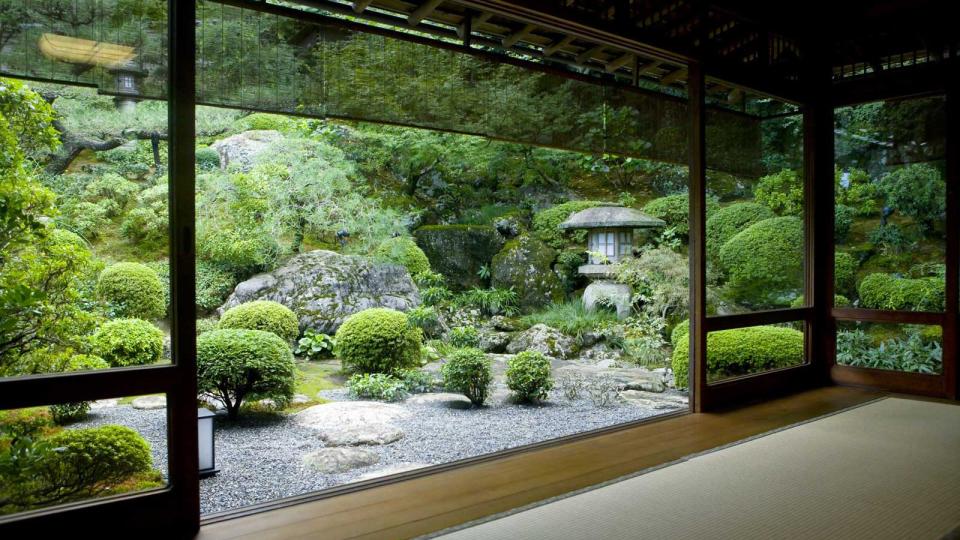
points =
(259, 456)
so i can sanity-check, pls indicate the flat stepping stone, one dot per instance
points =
(104, 403)
(149, 403)
(440, 399)
(338, 460)
(653, 400)
(396, 468)
(351, 423)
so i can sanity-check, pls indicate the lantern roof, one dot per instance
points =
(605, 217)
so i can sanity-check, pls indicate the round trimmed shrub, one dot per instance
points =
(469, 372)
(206, 158)
(742, 351)
(546, 223)
(132, 290)
(234, 365)
(464, 336)
(88, 461)
(723, 224)
(680, 332)
(265, 315)
(378, 340)
(844, 273)
(405, 252)
(528, 376)
(128, 342)
(884, 291)
(675, 210)
(781, 192)
(764, 262)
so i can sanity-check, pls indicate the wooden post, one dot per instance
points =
(698, 257)
(182, 402)
(952, 286)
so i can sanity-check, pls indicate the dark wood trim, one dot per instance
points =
(882, 316)
(182, 402)
(49, 389)
(419, 506)
(763, 386)
(151, 513)
(951, 322)
(917, 81)
(891, 381)
(756, 318)
(696, 89)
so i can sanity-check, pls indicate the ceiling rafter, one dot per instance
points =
(422, 12)
(512, 39)
(360, 5)
(620, 62)
(552, 49)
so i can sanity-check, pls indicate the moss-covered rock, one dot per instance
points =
(458, 251)
(524, 264)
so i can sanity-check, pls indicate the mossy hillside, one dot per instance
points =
(459, 251)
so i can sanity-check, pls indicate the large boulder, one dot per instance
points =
(524, 264)
(354, 423)
(458, 251)
(544, 339)
(323, 288)
(240, 150)
(616, 295)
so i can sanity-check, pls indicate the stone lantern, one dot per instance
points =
(612, 234)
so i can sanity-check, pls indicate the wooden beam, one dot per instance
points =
(647, 68)
(482, 18)
(512, 39)
(551, 49)
(589, 53)
(619, 62)
(360, 5)
(671, 78)
(423, 11)
(697, 195)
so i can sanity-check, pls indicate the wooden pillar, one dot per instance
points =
(818, 173)
(952, 289)
(698, 258)
(182, 401)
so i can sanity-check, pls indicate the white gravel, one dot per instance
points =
(259, 455)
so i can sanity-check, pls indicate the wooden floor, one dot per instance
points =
(430, 503)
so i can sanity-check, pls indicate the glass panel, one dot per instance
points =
(754, 223)
(752, 350)
(891, 194)
(895, 347)
(83, 269)
(81, 451)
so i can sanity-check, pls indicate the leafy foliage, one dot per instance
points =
(128, 342)
(844, 273)
(571, 318)
(378, 340)
(660, 280)
(726, 222)
(842, 222)
(884, 291)
(64, 413)
(315, 345)
(742, 351)
(464, 336)
(427, 320)
(528, 376)
(546, 223)
(918, 191)
(764, 262)
(263, 315)
(492, 301)
(132, 290)
(912, 354)
(781, 192)
(234, 365)
(469, 372)
(675, 210)
(379, 386)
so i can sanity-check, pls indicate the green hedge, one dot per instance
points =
(742, 351)
(405, 252)
(764, 262)
(726, 222)
(234, 365)
(675, 210)
(680, 332)
(378, 340)
(263, 315)
(132, 290)
(845, 268)
(884, 291)
(128, 342)
(546, 223)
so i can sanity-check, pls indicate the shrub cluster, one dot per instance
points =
(405, 252)
(842, 222)
(464, 336)
(675, 210)
(378, 340)
(764, 262)
(65, 413)
(742, 351)
(726, 222)
(528, 376)
(132, 290)
(884, 291)
(379, 386)
(468, 371)
(263, 315)
(234, 365)
(844, 273)
(213, 284)
(546, 223)
(128, 342)
(427, 320)
(781, 192)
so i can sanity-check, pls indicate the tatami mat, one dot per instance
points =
(889, 469)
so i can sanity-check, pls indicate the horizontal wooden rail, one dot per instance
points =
(53, 388)
(889, 380)
(882, 316)
(757, 318)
